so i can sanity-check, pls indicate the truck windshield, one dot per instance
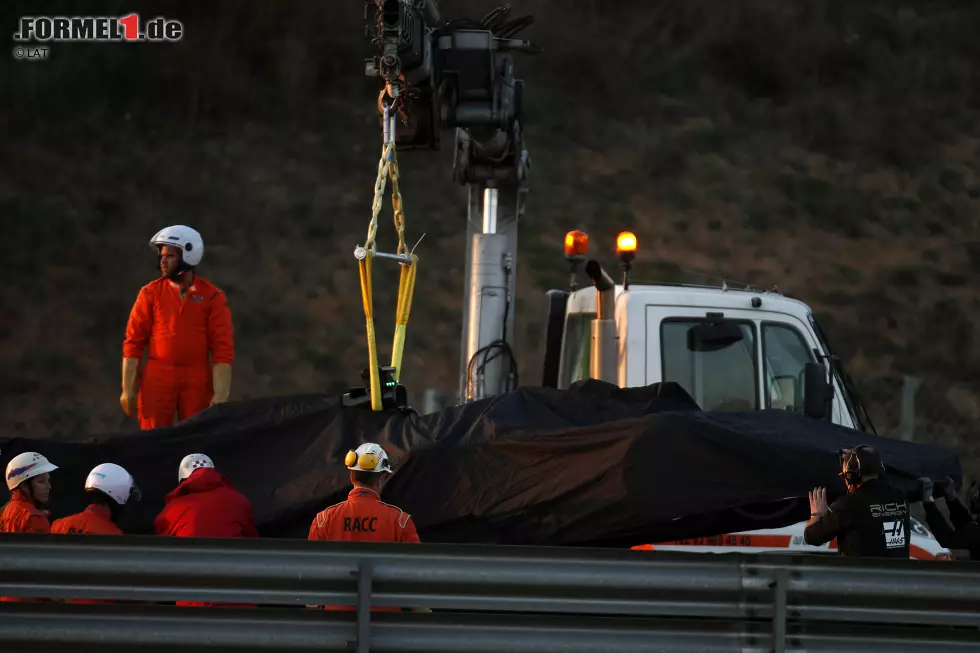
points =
(714, 361)
(576, 352)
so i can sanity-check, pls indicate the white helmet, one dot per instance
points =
(114, 481)
(191, 463)
(26, 466)
(188, 240)
(369, 457)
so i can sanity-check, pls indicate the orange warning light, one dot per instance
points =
(626, 243)
(576, 243)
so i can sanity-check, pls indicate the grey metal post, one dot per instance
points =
(364, 607)
(779, 587)
(432, 401)
(910, 388)
(491, 255)
(603, 363)
(492, 161)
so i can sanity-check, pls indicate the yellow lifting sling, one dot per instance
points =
(365, 255)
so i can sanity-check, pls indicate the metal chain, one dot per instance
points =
(379, 193)
(396, 202)
(387, 167)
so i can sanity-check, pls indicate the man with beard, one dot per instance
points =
(185, 322)
(871, 520)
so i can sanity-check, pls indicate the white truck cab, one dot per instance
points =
(732, 350)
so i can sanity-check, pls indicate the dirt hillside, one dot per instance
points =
(829, 149)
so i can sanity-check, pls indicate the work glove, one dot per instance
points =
(949, 489)
(926, 484)
(127, 400)
(221, 382)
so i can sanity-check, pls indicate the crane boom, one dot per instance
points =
(459, 74)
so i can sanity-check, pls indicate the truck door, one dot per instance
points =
(721, 375)
(787, 346)
(763, 370)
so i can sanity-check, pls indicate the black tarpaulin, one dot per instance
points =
(592, 465)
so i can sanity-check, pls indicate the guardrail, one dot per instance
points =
(484, 598)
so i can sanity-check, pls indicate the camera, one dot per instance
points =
(438, 75)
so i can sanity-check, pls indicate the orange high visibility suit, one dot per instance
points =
(364, 517)
(180, 329)
(96, 520)
(20, 515)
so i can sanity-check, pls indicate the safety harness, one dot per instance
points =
(365, 255)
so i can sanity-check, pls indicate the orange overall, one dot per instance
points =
(20, 515)
(180, 332)
(364, 517)
(96, 520)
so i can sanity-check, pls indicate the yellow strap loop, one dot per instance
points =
(406, 290)
(387, 167)
(367, 295)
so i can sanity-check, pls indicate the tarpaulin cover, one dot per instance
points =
(592, 465)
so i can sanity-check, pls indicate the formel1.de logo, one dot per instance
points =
(34, 33)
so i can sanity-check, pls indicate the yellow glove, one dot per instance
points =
(222, 383)
(130, 368)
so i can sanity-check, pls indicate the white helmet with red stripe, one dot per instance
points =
(26, 466)
(191, 463)
(188, 240)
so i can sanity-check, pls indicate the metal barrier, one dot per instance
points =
(484, 598)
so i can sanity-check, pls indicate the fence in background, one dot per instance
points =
(433, 400)
(928, 410)
(483, 598)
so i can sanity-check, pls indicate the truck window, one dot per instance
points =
(722, 379)
(785, 353)
(577, 350)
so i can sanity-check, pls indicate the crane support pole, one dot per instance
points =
(489, 290)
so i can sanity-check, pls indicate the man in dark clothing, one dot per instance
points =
(965, 533)
(871, 520)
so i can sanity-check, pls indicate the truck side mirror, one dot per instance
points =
(817, 391)
(554, 334)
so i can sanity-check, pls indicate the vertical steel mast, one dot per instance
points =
(460, 74)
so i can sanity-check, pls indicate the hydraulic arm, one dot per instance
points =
(459, 74)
